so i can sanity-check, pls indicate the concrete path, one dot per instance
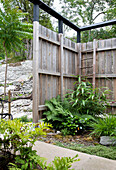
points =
(87, 162)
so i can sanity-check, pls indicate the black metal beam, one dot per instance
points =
(60, 26)
(36, 13)
(52, 12)
(98, 25)
(78, 36)
(62, 19)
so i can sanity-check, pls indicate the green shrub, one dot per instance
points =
(25, 119)
(86, 100)
(18, 136)
(105, 126)
(61, 118)
(58, 163)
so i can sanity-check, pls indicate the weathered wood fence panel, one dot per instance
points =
(57, 64)
(102, 54)
(59, 59)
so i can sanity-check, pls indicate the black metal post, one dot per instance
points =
(60, 26)
(36, 12)
(78, 36)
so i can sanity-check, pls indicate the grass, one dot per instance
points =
(98, 150)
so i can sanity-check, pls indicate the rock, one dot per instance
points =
(18, 72)
(19, 81)
(107, 140)
(1, 90)
(58, 132)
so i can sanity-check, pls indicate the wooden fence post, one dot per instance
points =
(94, 61)
(61, 63)
(35, 63)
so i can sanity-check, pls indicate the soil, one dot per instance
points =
(84, 139)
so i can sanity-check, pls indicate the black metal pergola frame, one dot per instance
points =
(39, 4)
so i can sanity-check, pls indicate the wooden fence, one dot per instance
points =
(56, 60)
(98, 63)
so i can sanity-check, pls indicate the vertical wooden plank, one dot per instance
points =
(94, 61)
(101, 63)
(69, 58)
(89, 62)
(66, 65)
(40, 48)
(61, 63)
(49, 88)
(40, 89)
(44, 59)
(73, 63)
(54, 52)
(83, 63)
(114, 67)
(76, 60)
(108, 69)
(35, 70)
(49, 51)
(80, 58)
(70, 65)
(54, 66)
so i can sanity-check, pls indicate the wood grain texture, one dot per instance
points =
(56, 60)
(35, 71)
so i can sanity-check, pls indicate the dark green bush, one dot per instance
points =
(78, 108)
(60, 116)
(86, 100)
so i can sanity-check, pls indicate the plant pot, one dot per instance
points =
(107, 140)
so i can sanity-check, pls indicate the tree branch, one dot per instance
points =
(98, 15)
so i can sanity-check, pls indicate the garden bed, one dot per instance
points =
(83, 143)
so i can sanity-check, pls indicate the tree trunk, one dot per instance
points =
(6, 60)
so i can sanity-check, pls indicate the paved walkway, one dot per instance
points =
(87, 162)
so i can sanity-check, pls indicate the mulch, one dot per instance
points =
(84, 139)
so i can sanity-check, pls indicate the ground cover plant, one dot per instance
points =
(16, 142)
(98, 150)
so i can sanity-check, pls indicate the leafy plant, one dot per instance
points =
(58, 163)
(86, 100)
(105, 126)
(63, 163)
(17, 136)
(61, 117)
(76, 124)
(56, 113)
(25, 119)
(12, 31)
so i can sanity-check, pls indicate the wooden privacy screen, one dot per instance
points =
(98, 63)
(56, 60)
(57, 63)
